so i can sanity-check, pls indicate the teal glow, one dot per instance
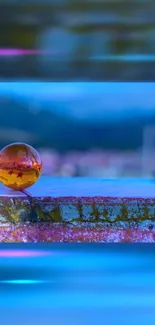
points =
(22, 281)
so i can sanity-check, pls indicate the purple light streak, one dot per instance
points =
(23, 253)
(20, 52)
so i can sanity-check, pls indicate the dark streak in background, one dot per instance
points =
(85, 33)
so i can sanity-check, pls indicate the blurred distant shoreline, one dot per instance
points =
(48, 128)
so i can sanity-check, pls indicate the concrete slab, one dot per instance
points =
(79, 209)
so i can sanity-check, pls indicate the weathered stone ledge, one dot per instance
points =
(96, 206)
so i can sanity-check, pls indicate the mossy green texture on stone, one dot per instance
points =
(15, 210)
(48, 212)
(136, 211)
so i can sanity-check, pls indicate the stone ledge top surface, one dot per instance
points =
(79, 187)
(92, 187)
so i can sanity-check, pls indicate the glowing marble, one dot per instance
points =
(20, 166)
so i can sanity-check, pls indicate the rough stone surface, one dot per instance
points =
(49, 232)
(79, 209)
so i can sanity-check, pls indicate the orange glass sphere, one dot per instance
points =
(20, 166)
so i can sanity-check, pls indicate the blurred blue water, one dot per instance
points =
(77, 283)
